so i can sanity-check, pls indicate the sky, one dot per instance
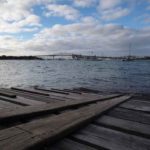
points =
(97, 27)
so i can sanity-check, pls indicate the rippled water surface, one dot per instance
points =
(108, 76)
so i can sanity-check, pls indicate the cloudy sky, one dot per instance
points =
(102, 27)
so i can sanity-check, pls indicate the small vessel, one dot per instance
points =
(129, 57)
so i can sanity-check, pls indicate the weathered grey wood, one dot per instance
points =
(29, 102)
(13, 135)
(30, 91)
(10, 132)
(52, 128)
(52, 96)
(141, 100)
(72, 91)
(49, 108)
(32, 96)
(125, 125)
(111, 139)
(137, 105)
(7, 94)
(4, 104)
(68, 144)
(29, 111)
(12, 100)
(143, 97)
(66, 91)
(57, 96)
(74, 96)
(132, 115)
(54, 90)
(82, 89)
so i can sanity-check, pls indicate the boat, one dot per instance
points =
(129, 57)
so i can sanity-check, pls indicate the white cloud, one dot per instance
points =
(116, 13)
(89, 35)
(83, 37)
(65, 11)
(84, 3)
(11, 10)
(111, 9)
(86, 35)
(9, 44)
(17, 15)
(109, 4)
(29, 24)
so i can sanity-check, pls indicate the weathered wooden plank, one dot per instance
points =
(68, 144)
(12, 100)
(16, 135)
(82, 89)
(125, 125)
(52, 97)
(131, 115)
(32, 96)
(55, 127)
(141, 100)
(111, 139)
(14, 114)
(4, 104)
(29, 102)
(60, 95)
(10, 132)
(143, 97)
(7, 94)
(137, 105)
(52, 90)
(57, 96)
(30, 91)
(67, 91)
(74, 96)
(72, 91)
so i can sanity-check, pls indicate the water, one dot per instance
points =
(110, 76)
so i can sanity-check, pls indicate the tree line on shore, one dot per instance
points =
(4, 57)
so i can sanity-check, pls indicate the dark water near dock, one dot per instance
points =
(110, 76)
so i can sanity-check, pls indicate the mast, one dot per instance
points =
(130, 50)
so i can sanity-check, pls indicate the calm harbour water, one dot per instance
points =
(110, 76)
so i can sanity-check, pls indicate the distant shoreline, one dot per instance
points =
(19, 58)
(89, 58)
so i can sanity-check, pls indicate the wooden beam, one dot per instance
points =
(132, 115)
(52, 90)
(32, 96)
(30, 91)
(7, 94)
(137, 105)
(12, 100)
(126, 126)
(31, 111)
(37, 133)
(99, 136)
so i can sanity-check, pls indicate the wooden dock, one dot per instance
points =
(73, 119)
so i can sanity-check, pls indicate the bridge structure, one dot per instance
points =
(72, 56)
(55, 56)
(79, 57)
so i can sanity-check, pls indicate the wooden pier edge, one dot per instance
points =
(13, 115)
(35, 134)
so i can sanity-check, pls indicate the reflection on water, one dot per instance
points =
(103, 75)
